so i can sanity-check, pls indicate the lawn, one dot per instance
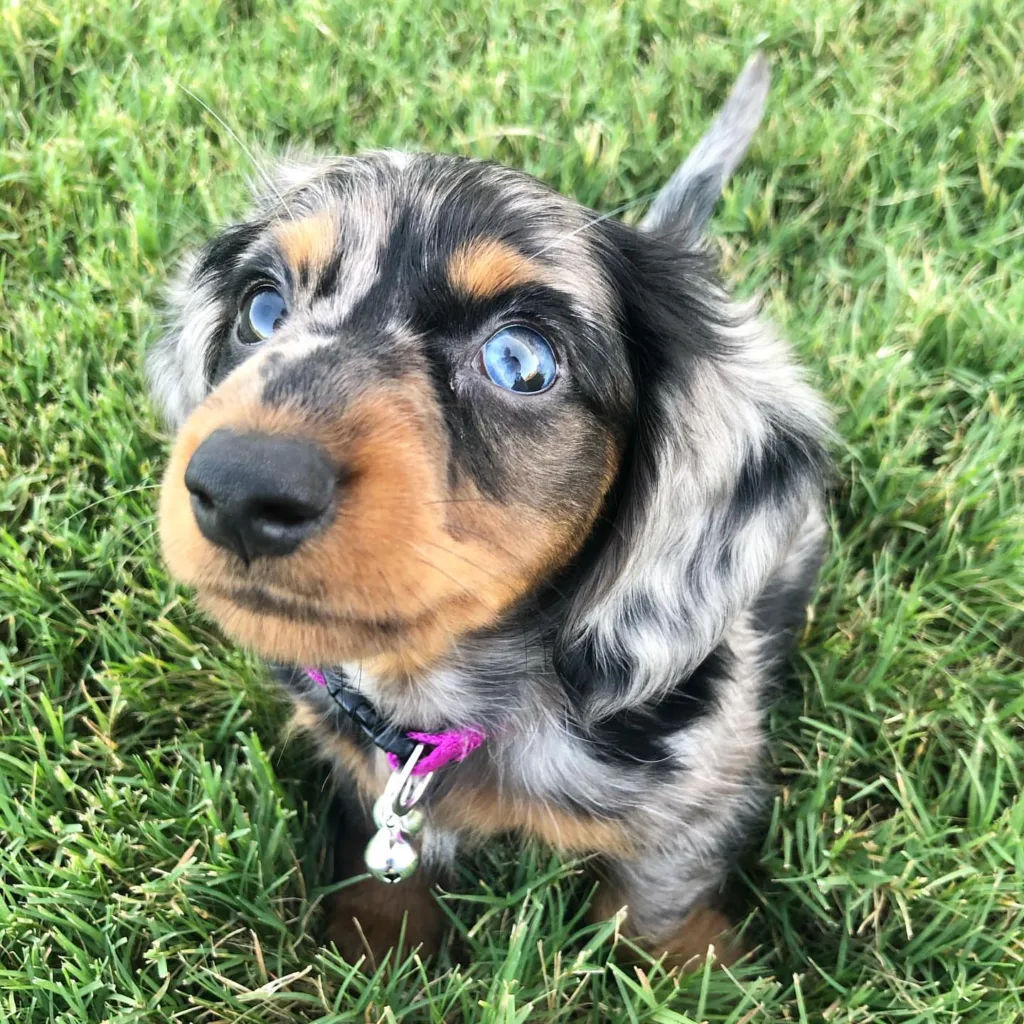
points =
(163, 851)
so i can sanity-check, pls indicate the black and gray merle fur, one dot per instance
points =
(627, 686)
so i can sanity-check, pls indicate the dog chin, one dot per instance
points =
(298, 632)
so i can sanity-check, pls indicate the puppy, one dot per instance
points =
(520, 504)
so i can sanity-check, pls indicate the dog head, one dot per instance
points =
(412, 392)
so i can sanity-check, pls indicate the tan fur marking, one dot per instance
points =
(688, 946)
(484, 813)
(369, 773)
(486, 267)
(367, 918)
(703, 927)
(308, 243)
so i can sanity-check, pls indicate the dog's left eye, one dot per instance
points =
(261, 314)
(519, 359)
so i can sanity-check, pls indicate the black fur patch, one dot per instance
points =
(327, 282)
(321, 383)
(787, 460)
(639, 735)
(222, 253)
(781, 610)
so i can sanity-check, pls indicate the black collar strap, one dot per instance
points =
(390, 738)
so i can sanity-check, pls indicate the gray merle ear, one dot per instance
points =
(686, 202)
(721, 483)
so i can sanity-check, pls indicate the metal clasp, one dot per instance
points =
(405, 790)
(389, 855)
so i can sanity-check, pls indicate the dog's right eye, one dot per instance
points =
(261, 314)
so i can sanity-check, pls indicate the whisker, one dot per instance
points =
(464, 558)
(138, 547)
(597, 220)
(106, 498)
(405, 540)
(458, 501)
(260, 170)
(423, 560)
(422, 608)
(504, 551)
(130, 529)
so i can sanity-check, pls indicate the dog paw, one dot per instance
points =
(687, 946)
(704, 927)
(370, 919)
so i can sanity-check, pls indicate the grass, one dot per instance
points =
(162, 853)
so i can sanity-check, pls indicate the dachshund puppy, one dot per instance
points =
(516, 500)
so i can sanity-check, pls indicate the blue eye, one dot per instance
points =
(261, 314)
(519, 359)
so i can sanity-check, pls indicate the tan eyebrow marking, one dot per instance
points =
(310, 243)
(485, 267)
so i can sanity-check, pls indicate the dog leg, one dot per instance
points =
(670, 908)
(367, 917)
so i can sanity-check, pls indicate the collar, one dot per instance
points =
(441, 748)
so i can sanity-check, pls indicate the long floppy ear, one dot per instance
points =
(724, 469)
(686, 202)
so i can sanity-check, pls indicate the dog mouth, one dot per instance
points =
(286, 628)
(300, 610)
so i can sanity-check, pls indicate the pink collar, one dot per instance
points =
(449, 746)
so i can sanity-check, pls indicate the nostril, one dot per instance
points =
(285, 513)
(202, 499)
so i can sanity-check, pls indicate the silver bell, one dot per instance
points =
(412, 822)
(390, 858)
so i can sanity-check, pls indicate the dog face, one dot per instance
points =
(412, 393)
(404, 395)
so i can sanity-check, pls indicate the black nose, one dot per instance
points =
(258, 494)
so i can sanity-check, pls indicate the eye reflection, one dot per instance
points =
(519, 359)
(261, 314)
